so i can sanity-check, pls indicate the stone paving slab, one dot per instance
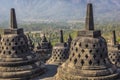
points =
(51, 71)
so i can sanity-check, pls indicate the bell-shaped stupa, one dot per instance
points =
(114, 50)
(17, 62)
(88, 58)
(44, 49)
(59, 52)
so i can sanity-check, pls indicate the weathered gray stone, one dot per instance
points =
(44, 49)
(60, 52)
(114, 51)
(88, 58)
(17, 62)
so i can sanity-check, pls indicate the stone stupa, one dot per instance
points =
(44, 49)
(114, 51)
(88, 58)
(17, 62)
(59, 52)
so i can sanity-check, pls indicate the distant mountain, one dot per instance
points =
(59, 10)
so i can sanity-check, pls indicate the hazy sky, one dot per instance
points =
(58, 9)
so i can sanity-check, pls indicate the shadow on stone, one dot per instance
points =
(51, 71)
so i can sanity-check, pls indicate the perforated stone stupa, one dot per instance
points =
(114, 51)
(44, 49)
(88, 58)
(17, 62)
(59, 52)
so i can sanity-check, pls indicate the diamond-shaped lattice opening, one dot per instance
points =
(73, 54)
(2, 47)
(64, 57)
(7, 40)
(94, 56)
(86, 56)
(16, 43)
(82, 62)
(72, 48)
(90, 51)
(56, 58)
(86, 45)
(9, 44)
(9, 52)
(113, 54)
(75, 44)
(12, 40)
(94, 45)
(58, 55)
(60, 52)
(90, 62)
(60, 58)
(80, 45)
(53, 51)
(54, 54)
(76, 49)
(116, 56)
(13, 48)
(75, 61)
(3, 52)
(113, 60)
(82, 50)
(104, 61)
(109, 54)
(79, 55)
(111, 57)
(6, 47)
(98, 62)
(16, 52)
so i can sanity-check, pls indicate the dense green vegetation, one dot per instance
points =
(52, 30)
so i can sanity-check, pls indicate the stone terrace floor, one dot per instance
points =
(51, 71)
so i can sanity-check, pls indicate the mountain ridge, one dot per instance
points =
(60, 10)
